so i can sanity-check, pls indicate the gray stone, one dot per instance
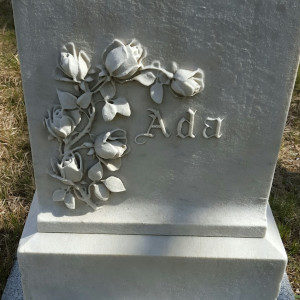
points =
(104, 266)
(13, 289)
(286, 292)
(244, 54)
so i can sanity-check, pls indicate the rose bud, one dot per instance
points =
(59, 124)
(187, 83)
(71, 167)
(122, 61)
(73, 65)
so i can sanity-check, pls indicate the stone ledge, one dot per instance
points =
(149, 267)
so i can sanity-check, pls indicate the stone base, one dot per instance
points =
(103, 266)
(13, 288)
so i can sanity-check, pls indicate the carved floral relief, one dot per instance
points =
(70, 123)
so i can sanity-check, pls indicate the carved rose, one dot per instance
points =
(73, 65)
(122, 61)
(61, 123)
(111, 145)
(186, 83)
(71, 167)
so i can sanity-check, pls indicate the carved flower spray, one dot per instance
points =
(70, 123)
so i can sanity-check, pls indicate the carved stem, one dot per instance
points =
(84, 131)
(85, 197)
(76, 148)
(63, 180)
(167, 73)
(94, 89)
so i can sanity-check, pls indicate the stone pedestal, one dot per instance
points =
(104, 266)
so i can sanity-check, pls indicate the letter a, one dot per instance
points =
(217, 133)
(155, 115)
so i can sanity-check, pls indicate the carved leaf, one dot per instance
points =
(163, 79)
(114, 184)
(70, 201)
(111, 108)
(91, 152)
(157, 92)
(84, 86)
(76, 117)
(89, 79)
(109, 111)
(145, 79)
(92, 71)
(112, 164)
(60, 75)
(59, 195)
(100, 191)
(67, 100)
(85, 99)
(122, 106)
(108, 90)
(95, 173)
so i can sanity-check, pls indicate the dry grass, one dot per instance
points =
(16, 179)
(285, 195)
(16, 183)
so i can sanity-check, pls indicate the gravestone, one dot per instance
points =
(155, 128)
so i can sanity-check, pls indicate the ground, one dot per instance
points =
(16, 174)
(285, 194)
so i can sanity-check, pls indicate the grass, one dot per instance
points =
(285, 194)
(16, 175)
(16, 178)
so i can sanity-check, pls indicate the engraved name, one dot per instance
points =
(212, 127)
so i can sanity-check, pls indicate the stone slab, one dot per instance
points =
(13, 288)
(103, 266)
(248, 51)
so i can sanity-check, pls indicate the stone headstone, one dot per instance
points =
(155, 118)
